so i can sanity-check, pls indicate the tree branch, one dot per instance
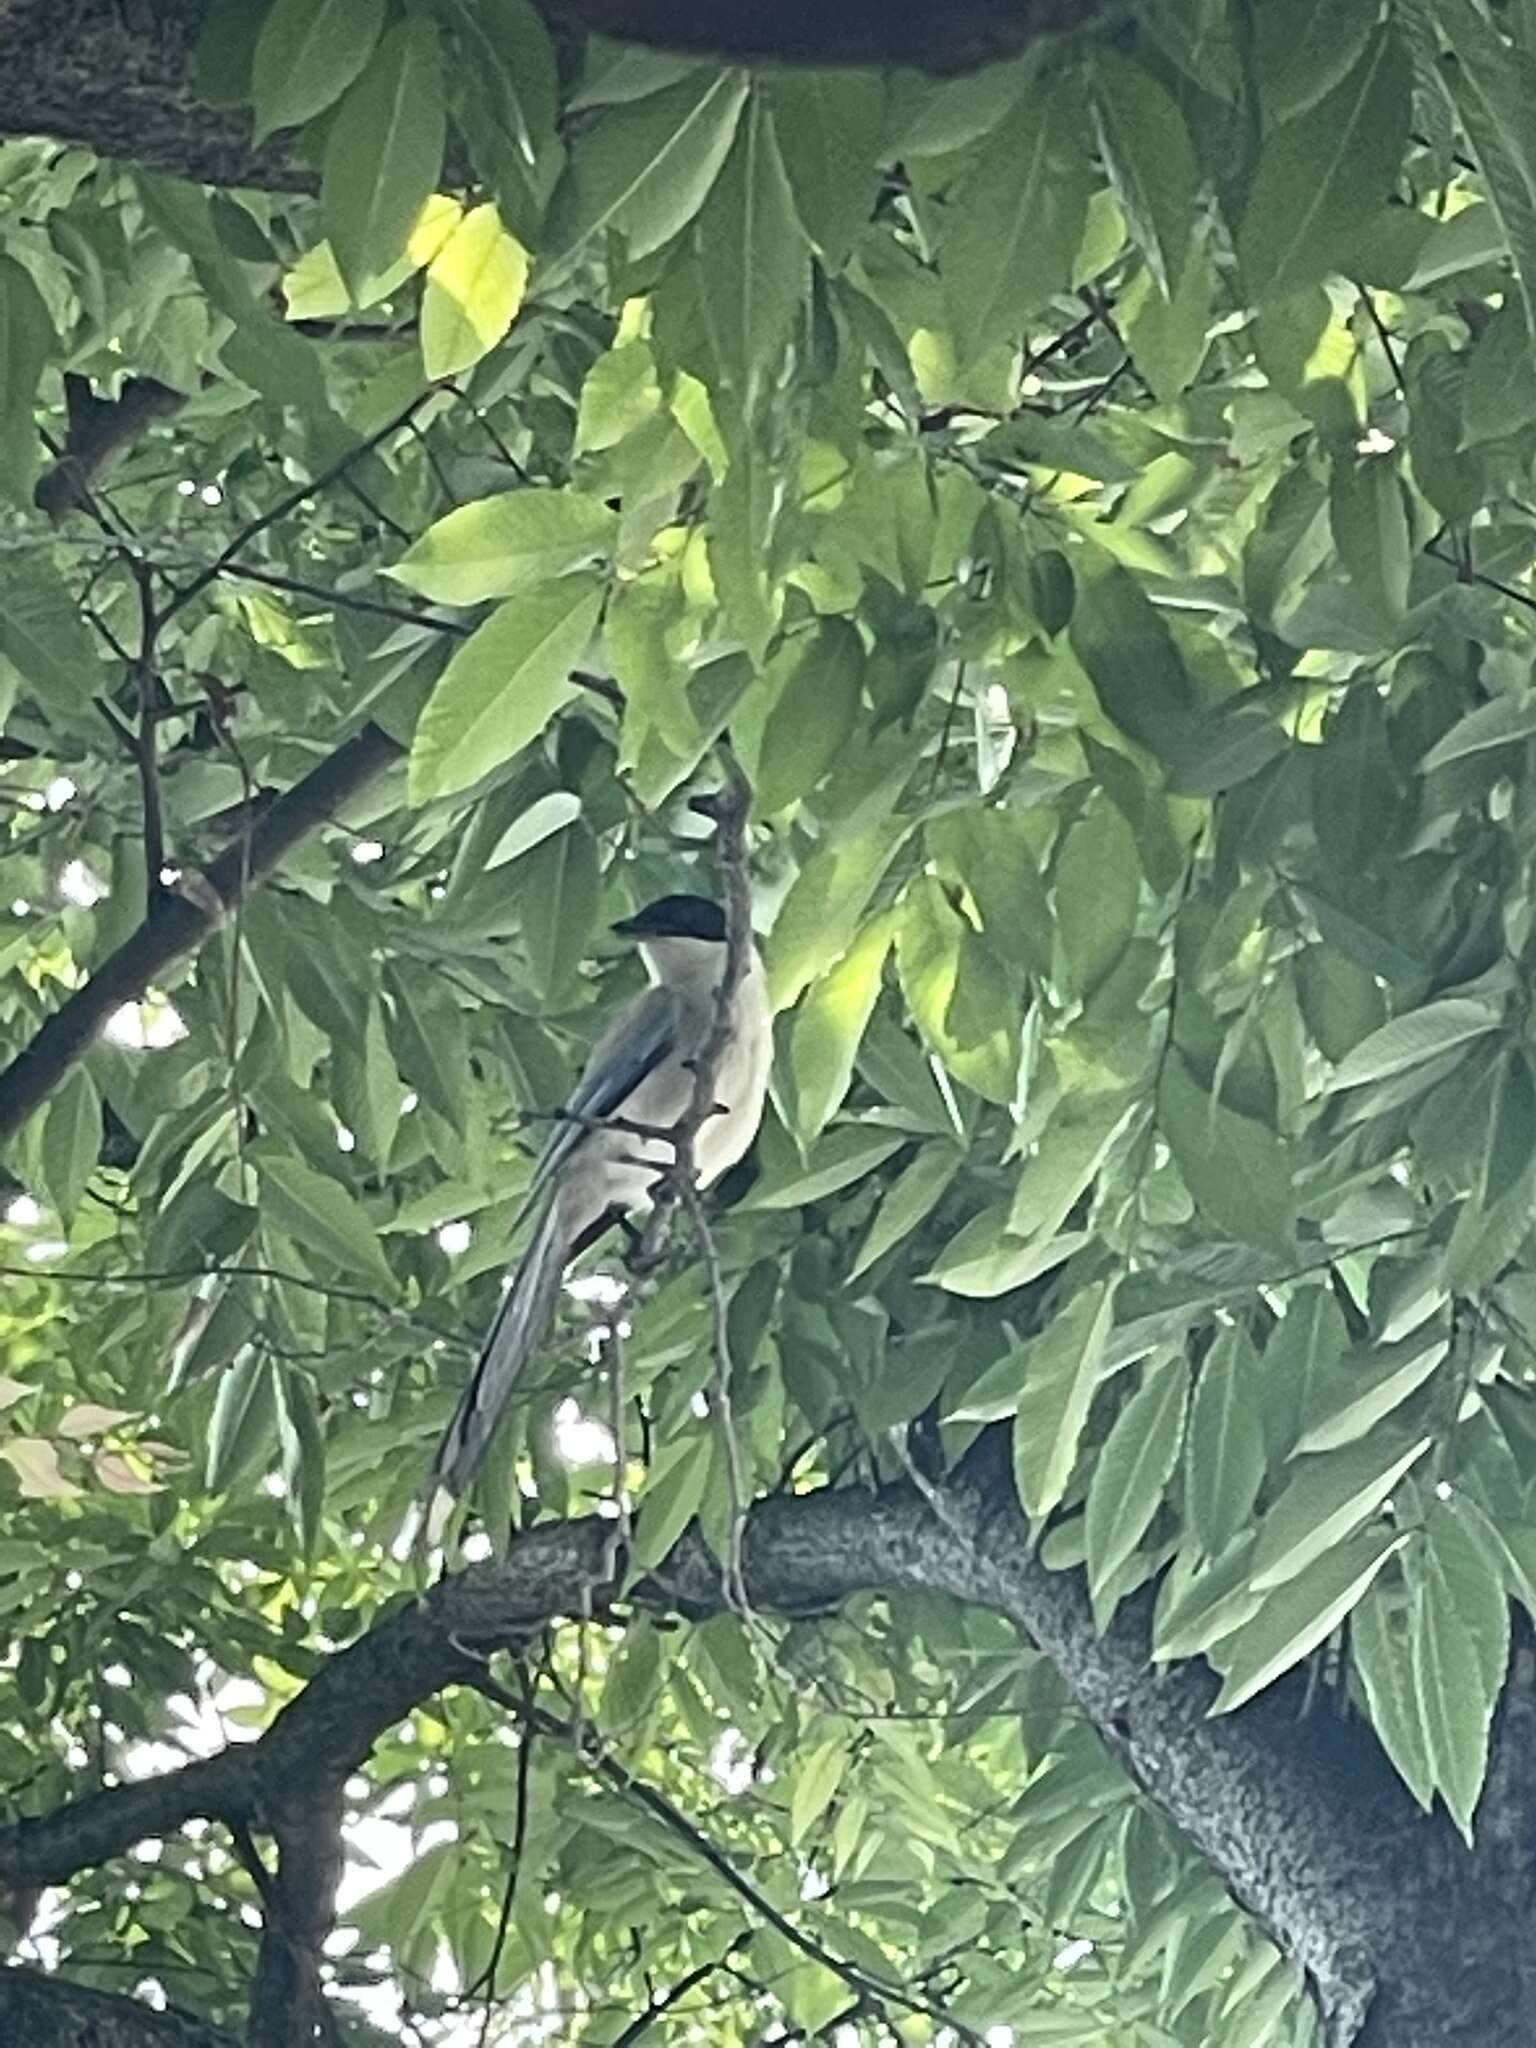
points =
(1296, 1807)
(120, 79)
(45, 2011)
(184, 919)
(287, 2000)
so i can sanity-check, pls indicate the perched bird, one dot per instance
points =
(590, 1177)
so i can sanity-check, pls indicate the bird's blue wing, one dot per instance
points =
(641, 1036)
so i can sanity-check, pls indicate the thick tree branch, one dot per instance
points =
(119, 78)
(1295, 1806)
(287, 2000)
(932, 35)
(183, 920)
(43, 2011)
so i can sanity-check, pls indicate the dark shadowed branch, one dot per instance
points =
(183, 920)
(121, 79)
(1294, 1805)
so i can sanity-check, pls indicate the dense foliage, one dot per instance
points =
(1094, 496)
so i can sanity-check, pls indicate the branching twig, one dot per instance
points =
(291, 501)
(643, 1794)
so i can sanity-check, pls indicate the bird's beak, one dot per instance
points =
(626, 928)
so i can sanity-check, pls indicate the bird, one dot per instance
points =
(592, 1177)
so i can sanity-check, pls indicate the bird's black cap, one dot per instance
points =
(676, 917)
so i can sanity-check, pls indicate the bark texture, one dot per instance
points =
(116, 74)
(1407, 1938)
(39, 2011)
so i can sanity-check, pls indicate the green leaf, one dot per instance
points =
(1454, 1701)
(645, 169)
(632, 1681)
(1328, 1497)
(1131, 1474)
(1321, 177)
(1373, 1388)
(428, 1037)
(308, 53)
(71, 1141)
(1017, 220)
(503, 686)
(1492, 85)
(474, 288)
(843, 1156)
(546, 815)
(674, 1488)
(1224, 1452)
(561, 883)
(513, 542)
(818, 1773)
(1381, 1646)
(1300, 1615)
(367, 1089)
(913, 1195)
(384, 151)
(320, 1215)
(742, 512)
(830, 125)
(1304, 48)
(1504, 722)
(935, 961)
(1060, 1374)
(1167, 339)
(27, 342)
(1417, 1036)
(829, 1026)
(303, 1447)
(753, 260)
(1098, 884)
(1150, 160)
(811, 717)
(1137, 673)
(618, 394)
(989, 851)
(1498, 388)
(819, 918)
(1236, 1168)
(1369, 522)
(42, 632)
(984, 1260)
(1200, 1608)
(244, 1420)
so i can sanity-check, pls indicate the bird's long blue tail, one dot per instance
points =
(526, 1311)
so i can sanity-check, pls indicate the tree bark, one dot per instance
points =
(1407, 1938)
(115, 75)
(42, 2011)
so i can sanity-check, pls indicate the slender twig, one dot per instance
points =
(1472, 575)
(1385, 336)
(643, 1794)
(486, 1981)
(147, 748)
(345, 600)
(642, 2023)
(292, 500)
